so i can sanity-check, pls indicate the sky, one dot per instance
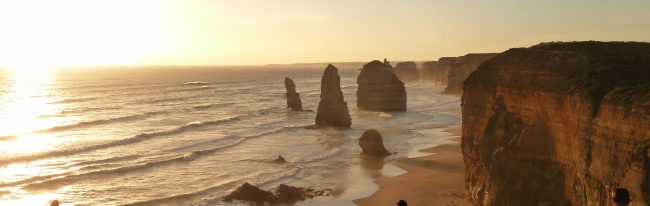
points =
(242, 32)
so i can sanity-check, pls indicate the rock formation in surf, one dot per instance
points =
(436, 70)
(250, 193)
(380, 89)
(460, 68)
(293, 98)
(332, 109)
(284, 194)
(372, 143)
(280, 159)
(407, 71)
(559, 124)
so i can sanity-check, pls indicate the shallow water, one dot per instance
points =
(189, 135)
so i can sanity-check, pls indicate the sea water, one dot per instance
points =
(190, 135)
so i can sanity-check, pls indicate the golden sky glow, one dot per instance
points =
(223, 32)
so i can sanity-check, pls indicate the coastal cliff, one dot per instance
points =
(380, 89)
(407, 71)
(460, 68)
(436, 70)
(558, 124)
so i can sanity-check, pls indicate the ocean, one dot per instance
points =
(190, 135)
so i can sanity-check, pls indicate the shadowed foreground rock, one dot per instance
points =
(284, 194)
(332, 109)
(372, 143)
(293, 98)
(558, 124)
(380, 89)
(407, 71)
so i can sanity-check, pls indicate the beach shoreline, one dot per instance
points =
(434, 179)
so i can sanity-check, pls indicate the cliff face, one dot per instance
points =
(436, 70)
(460, 68)
(559, 123)
(407, 71)
(293, 98)
(380, 89)
(332, 109)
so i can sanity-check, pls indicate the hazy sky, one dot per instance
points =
(240, 32)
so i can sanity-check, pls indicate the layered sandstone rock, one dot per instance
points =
(380, 89)
(407, 71)
(332, 109)
(460, 68)
(293, 98)
(372, 143)
(559, 124)
(436, 70)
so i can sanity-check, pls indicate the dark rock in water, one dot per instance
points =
(371, 143)
(379, 89)
(280, 160)
(293, 98)
(285, 194)
(250, 193)
(407, 71)
(289, 194)
(332, 109)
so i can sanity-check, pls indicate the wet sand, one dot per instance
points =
(437, 179)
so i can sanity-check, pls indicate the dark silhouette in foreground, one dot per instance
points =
(401, 203)
(621, 197)
(54, 203)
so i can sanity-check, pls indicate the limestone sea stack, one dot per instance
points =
(407, 71)
(293, 98)
(332, 109)
(372, 143)
(390, 67)
(558, 124)
(380, 89)
(460, 68)
(436, 70)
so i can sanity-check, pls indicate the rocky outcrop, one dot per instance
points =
(436, 70)
(249, 193)
(559, 124)
(460, 68)
(380, 89)
(332, 109)
(390, 67)
(372, 143)
(280, 159)
(293, 98)
(407, 71)
(284, 194)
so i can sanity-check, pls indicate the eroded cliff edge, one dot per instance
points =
(558, 124)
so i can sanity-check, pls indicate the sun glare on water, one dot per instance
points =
(28, 98)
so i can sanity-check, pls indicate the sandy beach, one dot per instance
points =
(436, 179)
